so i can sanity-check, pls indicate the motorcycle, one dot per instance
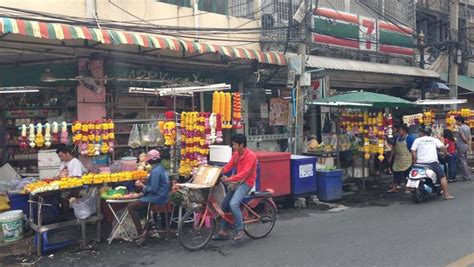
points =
(422, 182)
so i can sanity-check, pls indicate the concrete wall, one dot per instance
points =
(151, 11)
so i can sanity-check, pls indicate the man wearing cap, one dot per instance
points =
(425, 152)
(155, 191)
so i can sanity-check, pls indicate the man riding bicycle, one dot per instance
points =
(244, 162)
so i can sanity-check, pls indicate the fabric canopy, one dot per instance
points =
(61, 31)
(376, 100)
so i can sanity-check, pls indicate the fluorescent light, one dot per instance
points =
(441, 101)
(19, 91)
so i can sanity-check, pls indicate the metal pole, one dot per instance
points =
(300, 103)
(453, 38)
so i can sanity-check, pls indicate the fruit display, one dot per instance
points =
(94, 138)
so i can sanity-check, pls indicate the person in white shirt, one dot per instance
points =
(69, 165)
(425, 152)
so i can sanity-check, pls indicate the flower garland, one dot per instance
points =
(237, 111)
(22, 140)
(39, 140)
(93, 138)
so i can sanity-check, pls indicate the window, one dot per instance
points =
(215, 6)
(185, 3)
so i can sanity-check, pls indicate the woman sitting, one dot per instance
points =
(155, 191)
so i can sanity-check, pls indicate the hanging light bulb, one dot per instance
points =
(48, 76)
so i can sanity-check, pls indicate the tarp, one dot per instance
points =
(376, 100)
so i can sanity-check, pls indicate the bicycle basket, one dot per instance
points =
(199, 195)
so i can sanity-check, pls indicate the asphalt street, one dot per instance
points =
(434, 233)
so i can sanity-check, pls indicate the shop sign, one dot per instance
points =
(168, 77)
(367, 34)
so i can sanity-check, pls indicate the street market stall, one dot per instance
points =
(362, 125)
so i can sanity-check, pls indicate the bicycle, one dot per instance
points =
(198, 224)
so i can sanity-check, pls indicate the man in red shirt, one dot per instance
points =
(244, 161)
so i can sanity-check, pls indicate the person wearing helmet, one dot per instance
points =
(155, 191)
(425, 152)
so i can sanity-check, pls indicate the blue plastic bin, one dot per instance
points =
(19, 202)
(329, 185)
(303, 174)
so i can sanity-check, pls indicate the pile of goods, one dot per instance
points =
(466, 113)
(40, 139)
(120, 192)
(94, 138)
(100, 178)
(373, 128)
(52, 184)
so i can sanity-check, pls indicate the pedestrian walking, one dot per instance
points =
(450, 159)
(463, 145)
(401, 156)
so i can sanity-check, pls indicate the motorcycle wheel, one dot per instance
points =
(418, 194)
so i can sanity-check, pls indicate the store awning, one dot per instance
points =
(465, 82)
(368, 67)
(376, 100)
(61, 31)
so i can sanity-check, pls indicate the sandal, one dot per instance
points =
(392, 191)
(239, 235)
(220, 237)
(448, 197)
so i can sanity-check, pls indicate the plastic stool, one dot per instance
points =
(47, 246)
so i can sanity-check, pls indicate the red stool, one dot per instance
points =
(165, 208)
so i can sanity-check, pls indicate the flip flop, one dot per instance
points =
(392, 191)
(220, 237)
(449, 198)
(239, 235)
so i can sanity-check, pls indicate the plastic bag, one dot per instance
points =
(156, 135)
(87, 205)
(146, 137)
(134, 139)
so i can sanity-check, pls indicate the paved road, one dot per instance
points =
(434, 233)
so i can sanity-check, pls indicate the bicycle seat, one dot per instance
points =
(262, 194)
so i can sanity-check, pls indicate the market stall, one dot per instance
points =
(362, 125)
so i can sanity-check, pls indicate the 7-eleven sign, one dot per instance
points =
(368, 33)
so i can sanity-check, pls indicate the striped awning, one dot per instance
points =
(60, 31)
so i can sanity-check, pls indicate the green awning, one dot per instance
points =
(465, 82)
(376, 100)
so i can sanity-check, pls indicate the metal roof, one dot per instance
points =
(370, 67)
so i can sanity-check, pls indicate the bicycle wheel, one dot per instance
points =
(261, 223)
(195, 231)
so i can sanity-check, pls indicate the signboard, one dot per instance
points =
(279, 112)
(347, 30)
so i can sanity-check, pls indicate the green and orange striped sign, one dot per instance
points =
(60, 31)
(338, 28)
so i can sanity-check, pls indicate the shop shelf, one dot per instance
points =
(36, 108)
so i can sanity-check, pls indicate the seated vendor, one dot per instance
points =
(155, 191)
(69, 166)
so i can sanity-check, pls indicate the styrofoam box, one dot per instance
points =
(48, 173)
(220, 154)
(48, 158)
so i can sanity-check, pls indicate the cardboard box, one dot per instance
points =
(205, 177)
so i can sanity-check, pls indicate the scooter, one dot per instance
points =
(422, 182)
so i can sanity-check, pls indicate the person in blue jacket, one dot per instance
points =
(155, 191)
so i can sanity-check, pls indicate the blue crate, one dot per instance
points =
(47, 245)
(303, 175)
(329, 185)
(19, 202)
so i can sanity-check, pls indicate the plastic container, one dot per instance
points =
(19, 202)
(329, 185)
(50, 240)
(11, 223)
(274, 172)
(129, 163)
(303, 174)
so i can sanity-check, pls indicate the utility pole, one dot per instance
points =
(301, 90)
(453, 45)
(421, 47)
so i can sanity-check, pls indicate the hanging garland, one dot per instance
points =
(237, 111)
